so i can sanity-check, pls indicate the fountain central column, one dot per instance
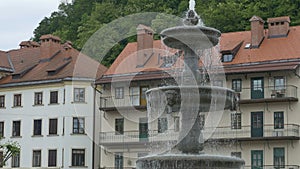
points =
(191, 75)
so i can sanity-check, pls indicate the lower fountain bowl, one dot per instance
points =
(189, 161)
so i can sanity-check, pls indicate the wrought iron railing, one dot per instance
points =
(245, 167)
(269, 92)
(125, 101)
(272, 167)
(137, 136)
(268, 131)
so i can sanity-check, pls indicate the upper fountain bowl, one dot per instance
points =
(191, 36)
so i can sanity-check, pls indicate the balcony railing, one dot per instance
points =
(107, 102)
(268, 94)
(267, 132)
(273, 167)
(290, 131)
(136, 136)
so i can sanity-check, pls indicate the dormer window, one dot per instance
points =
(227, 57)
(230, 50)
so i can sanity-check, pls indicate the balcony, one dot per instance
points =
(273, 167)
(137, 139)
(290, 131)
(268, 94)
(109, 103)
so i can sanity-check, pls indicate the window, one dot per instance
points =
(15, 161)
(119, 126)
(79, 94)
(279, 158)
(237, 85)
(52, 126)
(279, 83)
(1, 129)
(119, 161)
(78, 157)
(38, 98)
(134, 93)
(2, 101)
(52, 156)
(78, 125)
(236, 121)
(162, 125)
(236, 154)
(37, 127)
(16, 128)
(278, 120)
(53, 97)
(36, 158)
(119, 92)
(17, 100)
(218, 83)
(227, 57)
(1, 159)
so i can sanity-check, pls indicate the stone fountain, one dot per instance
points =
(190, 98)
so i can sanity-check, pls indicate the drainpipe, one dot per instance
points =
(94, 86)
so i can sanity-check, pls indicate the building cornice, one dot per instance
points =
(40, 82)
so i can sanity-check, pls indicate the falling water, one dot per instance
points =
(192, 5)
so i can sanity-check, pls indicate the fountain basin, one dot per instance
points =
(189, 161)
(197, 98)
(193, 37)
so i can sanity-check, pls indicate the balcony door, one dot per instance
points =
(143, 129)
(119, 161)
(257, 160)
(257, 126)
(257, 88)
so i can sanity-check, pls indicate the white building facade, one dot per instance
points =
(49, 109)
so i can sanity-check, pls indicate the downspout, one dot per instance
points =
(94, 122)
(94, 128)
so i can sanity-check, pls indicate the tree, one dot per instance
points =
(79, 20)
(9, 149)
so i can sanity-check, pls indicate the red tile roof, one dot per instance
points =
(269, 50)
(273, 49)
(30, 65)
(4, 61)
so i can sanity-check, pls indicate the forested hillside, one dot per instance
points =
(79, 20)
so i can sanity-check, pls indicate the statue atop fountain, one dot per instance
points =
(192, 98)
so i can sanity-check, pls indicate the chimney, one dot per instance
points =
(278, 27)
(257, 31)
(144, 44)
(29, 44)
(49, 46)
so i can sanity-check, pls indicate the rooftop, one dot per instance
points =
(30, 64)
(281, 49)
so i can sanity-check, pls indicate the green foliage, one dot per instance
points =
(9, 149)
(78, 21)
